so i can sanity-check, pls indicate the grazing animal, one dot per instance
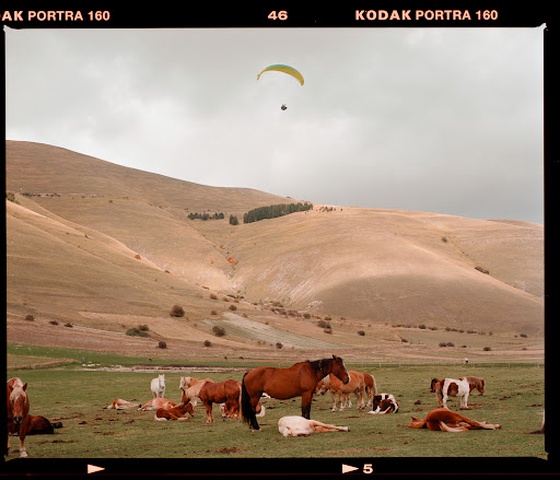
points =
(183, 411)
(384, 403)
(158, 386)
(300, 379)
(444, 420)
(461, 387)
(156, 403)
(120, 404)
(342, 391)
(228, 392)
(434, 383)
(18, 412)
(296, 426)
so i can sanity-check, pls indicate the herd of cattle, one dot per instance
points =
(228, 395)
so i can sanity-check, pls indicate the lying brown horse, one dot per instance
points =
(228, 392)
(444, 420)
(18, 412)
(120, 404)
(156, 403)
(300, 379)
(183, 411)
(39, 425)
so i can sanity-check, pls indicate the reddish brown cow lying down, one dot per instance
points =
(444, 420)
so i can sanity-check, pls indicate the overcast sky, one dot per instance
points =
(437, 120)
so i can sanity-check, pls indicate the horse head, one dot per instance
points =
(19, 403)
(339, 369)
(433, 384)
(480, 386)
(188, 407)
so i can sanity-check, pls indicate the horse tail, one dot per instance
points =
(374, 385)
(246, 408)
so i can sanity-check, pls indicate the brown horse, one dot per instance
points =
(342, 391)
(300, 379)
(39, 425)
(444, 420)
(183, 411)
(460, 387)
(228, 392)
(156, 403)
(18, 412)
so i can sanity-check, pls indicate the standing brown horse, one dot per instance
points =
(228, 392)
(18, 412)
(283, 383)
(338, 389)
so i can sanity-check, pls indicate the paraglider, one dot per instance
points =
(284, 69)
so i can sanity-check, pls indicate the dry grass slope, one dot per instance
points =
(103, 248)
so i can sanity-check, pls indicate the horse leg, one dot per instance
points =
(343, 399)
(22, 450)
(208, 407)
(464, 402)
(362, 395)
(306, 399)
(333, 399)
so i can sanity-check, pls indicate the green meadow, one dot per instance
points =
(78, 396)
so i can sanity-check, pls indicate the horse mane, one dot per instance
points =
(321, 365)
(194, 390)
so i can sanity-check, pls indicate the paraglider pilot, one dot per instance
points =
(283, 107)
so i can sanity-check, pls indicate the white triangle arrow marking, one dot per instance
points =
(93, 469)
(348, 468)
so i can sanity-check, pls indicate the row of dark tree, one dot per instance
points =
(274, 211)
(260, 213)
(206, 216)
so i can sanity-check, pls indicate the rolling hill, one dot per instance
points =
(95, 249)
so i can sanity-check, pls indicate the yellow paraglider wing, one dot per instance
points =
(286, 69)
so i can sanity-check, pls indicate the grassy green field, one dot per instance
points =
(514, 398)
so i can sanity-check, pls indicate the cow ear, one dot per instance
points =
(25, 386)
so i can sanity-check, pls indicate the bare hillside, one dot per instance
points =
(102, 248)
